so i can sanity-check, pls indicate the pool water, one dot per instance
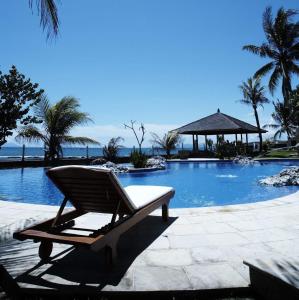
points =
(197, 184)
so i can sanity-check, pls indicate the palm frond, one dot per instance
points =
(273, 81)
(29, 134)
(78, 140)
(254, 49)
(264, 70)
(48, 12)
(42, 107)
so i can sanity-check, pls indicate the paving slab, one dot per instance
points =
(200, 248)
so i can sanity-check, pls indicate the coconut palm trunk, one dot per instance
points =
(258, 126)
(254, 95)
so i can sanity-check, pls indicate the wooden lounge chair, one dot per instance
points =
(91, 189)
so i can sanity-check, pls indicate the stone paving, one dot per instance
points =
(200, 248)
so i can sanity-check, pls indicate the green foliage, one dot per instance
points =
(58, 121)
(281, 47)
(17, 96)
(225, 149)
(210, 145)
(283, 116)
(168, 142)
(47, 10)
(254, 95)
(111, 151)
(183, 154)
(138, 159)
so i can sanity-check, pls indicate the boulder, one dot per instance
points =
(99, 161)
(157, 162)
(243, 160)
(286, 177)
(114, 167)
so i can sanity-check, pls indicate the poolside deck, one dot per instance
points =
(200, 248)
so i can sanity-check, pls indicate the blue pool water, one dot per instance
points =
(196, 184)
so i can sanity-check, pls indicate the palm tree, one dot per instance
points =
(283, 116)
(57, 122)
(282, 47)
(47, 10)
(254, 95)
(168, 142)
(112, 149)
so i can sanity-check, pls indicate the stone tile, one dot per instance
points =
(218, 228)
(247, 225)
(160, 279)
(252, 250)
(186, 229)
(211, 254)
(170, 257)
(187, 241)
(226, 239)
(288, 248)
(211, 276)
(204, 245)
(242, 269)
(125, 284)
(161, 242)
(267, 235)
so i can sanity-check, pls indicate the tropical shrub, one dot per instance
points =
(57, 122)
(110, 152)
(138, 159)
(168, 142)
(225, 148)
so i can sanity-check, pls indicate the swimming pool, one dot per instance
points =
(196, 184)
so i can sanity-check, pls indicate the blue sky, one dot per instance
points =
(162, 62)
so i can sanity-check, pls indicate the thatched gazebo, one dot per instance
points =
(217, 124)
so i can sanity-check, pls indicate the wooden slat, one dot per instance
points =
(62, 238)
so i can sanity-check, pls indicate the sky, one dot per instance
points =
(161, 62)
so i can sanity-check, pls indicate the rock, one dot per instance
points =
(158, 162)
(114, 167)
(243, 160)
(285, 177)
(99, 161)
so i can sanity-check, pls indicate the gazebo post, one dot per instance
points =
(246, 142)
(236, 138)
(197, 147)
(193, 143)
(206, 142)
(241, 138)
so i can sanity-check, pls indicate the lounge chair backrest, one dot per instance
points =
(91, 189)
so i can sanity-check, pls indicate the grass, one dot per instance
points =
(275, 153)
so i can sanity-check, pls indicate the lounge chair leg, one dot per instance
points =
(165, 212)
(111, 254)
(45, 249)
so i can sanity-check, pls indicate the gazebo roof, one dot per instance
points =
(218, 123)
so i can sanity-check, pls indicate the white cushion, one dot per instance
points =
(141, 195)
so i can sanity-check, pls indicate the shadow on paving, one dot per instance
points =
(275, 279)
(78, 269)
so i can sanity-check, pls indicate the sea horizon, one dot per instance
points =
(16, 151)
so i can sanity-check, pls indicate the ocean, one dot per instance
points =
(38, 152)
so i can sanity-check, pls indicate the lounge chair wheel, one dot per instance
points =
(45, 249)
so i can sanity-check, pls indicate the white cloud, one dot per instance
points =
(103, 133)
